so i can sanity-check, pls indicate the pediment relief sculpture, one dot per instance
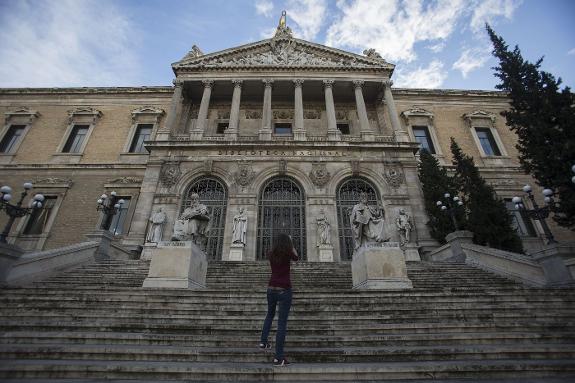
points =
(416, 111)
(21, 112)
(147, 110)
(85, 111)
(479, 114)
(283, 114)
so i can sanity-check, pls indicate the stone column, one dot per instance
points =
(299, 129)
(400, 134)
(232, 131)
(333, 133)
(198, 132)
(265, 132)
(173, 119)
(367, 133)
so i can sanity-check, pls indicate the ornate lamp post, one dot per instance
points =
(538, 213)
(110, 206)
(450, 206)
(17, 211)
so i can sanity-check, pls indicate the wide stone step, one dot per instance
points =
(331, 372)
(298, 355)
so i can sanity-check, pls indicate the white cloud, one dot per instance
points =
(430, 77)
(486, 11)
(436, 48)
(471, 59)
(66, 43)
(571, 52)
(308, 16)
(264, 7)
(393, 27)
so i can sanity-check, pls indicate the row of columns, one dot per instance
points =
(265, 132)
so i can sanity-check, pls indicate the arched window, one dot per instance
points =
(347, 196)
(214, 195)
(281, 208)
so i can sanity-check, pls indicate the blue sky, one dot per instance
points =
(434, 44)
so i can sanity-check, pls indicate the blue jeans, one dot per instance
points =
(283, 297)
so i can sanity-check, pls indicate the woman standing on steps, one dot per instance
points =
(279, 292)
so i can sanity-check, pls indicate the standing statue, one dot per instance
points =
(157, 220)
(323, 230)
(193, 224)
(404, 226)
(367, 223)
(240, 227)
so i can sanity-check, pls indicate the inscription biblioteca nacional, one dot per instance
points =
(281, 152)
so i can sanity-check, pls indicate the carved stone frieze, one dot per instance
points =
(170, 174)
(312, 114)
(341, 114)
(84, 111)
(223, 114)
(245, 173)
(394, 177)
(253, 114)
(416, 111)
(53, 181)
(157, 113)
(319, 174)
(283, 114)
(479, 114)
(125, 180)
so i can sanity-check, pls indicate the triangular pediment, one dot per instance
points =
(282, 53)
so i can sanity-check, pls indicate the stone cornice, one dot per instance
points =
(90, 90)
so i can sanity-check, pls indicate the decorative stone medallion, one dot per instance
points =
(170, 174)
(319, 174)
(394, 177)
(245, 174)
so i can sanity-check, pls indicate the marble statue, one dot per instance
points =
(404, 227)
(323, 230)
(193, 224)
(240, 227)
(367, 223)
(157, 220)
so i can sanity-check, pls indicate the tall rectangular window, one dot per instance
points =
(487, 142)
(119, 219)
(39, 217)
(282, 128)
(143, 132)
(76, 139)
(521, 222)
(422, 136)
(11, 138)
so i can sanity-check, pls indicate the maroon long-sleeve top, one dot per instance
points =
(281, 273)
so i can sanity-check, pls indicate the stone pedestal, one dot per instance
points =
(265, 135)
(552, 260)
(411, 252)
(380, 268)
(105, 238)
(325, 253)
(455, 239)
(148, 251)
(9, 254)
(236, 252)
(177, 265)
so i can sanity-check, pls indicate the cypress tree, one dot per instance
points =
(543, 117)
(435, 182)
(487, 218)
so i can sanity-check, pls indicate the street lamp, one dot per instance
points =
(450, 207)
(110, 206)
(17, 211)
(538, 213)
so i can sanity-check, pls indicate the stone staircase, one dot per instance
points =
(96, 323)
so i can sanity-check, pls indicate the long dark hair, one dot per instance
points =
(282, 248)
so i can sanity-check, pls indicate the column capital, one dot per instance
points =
(268, 82)
(388, 83)
(358, 83)
(298, 82)
(328, 83)
(237, 83)
(208, 83)
(178, 82)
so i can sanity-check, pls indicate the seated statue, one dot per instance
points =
(367, 223)
(194, 223)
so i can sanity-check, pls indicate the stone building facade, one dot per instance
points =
(284, 128)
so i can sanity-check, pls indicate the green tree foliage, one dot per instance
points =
(487, 216)
(543, 116)
(435, 182)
